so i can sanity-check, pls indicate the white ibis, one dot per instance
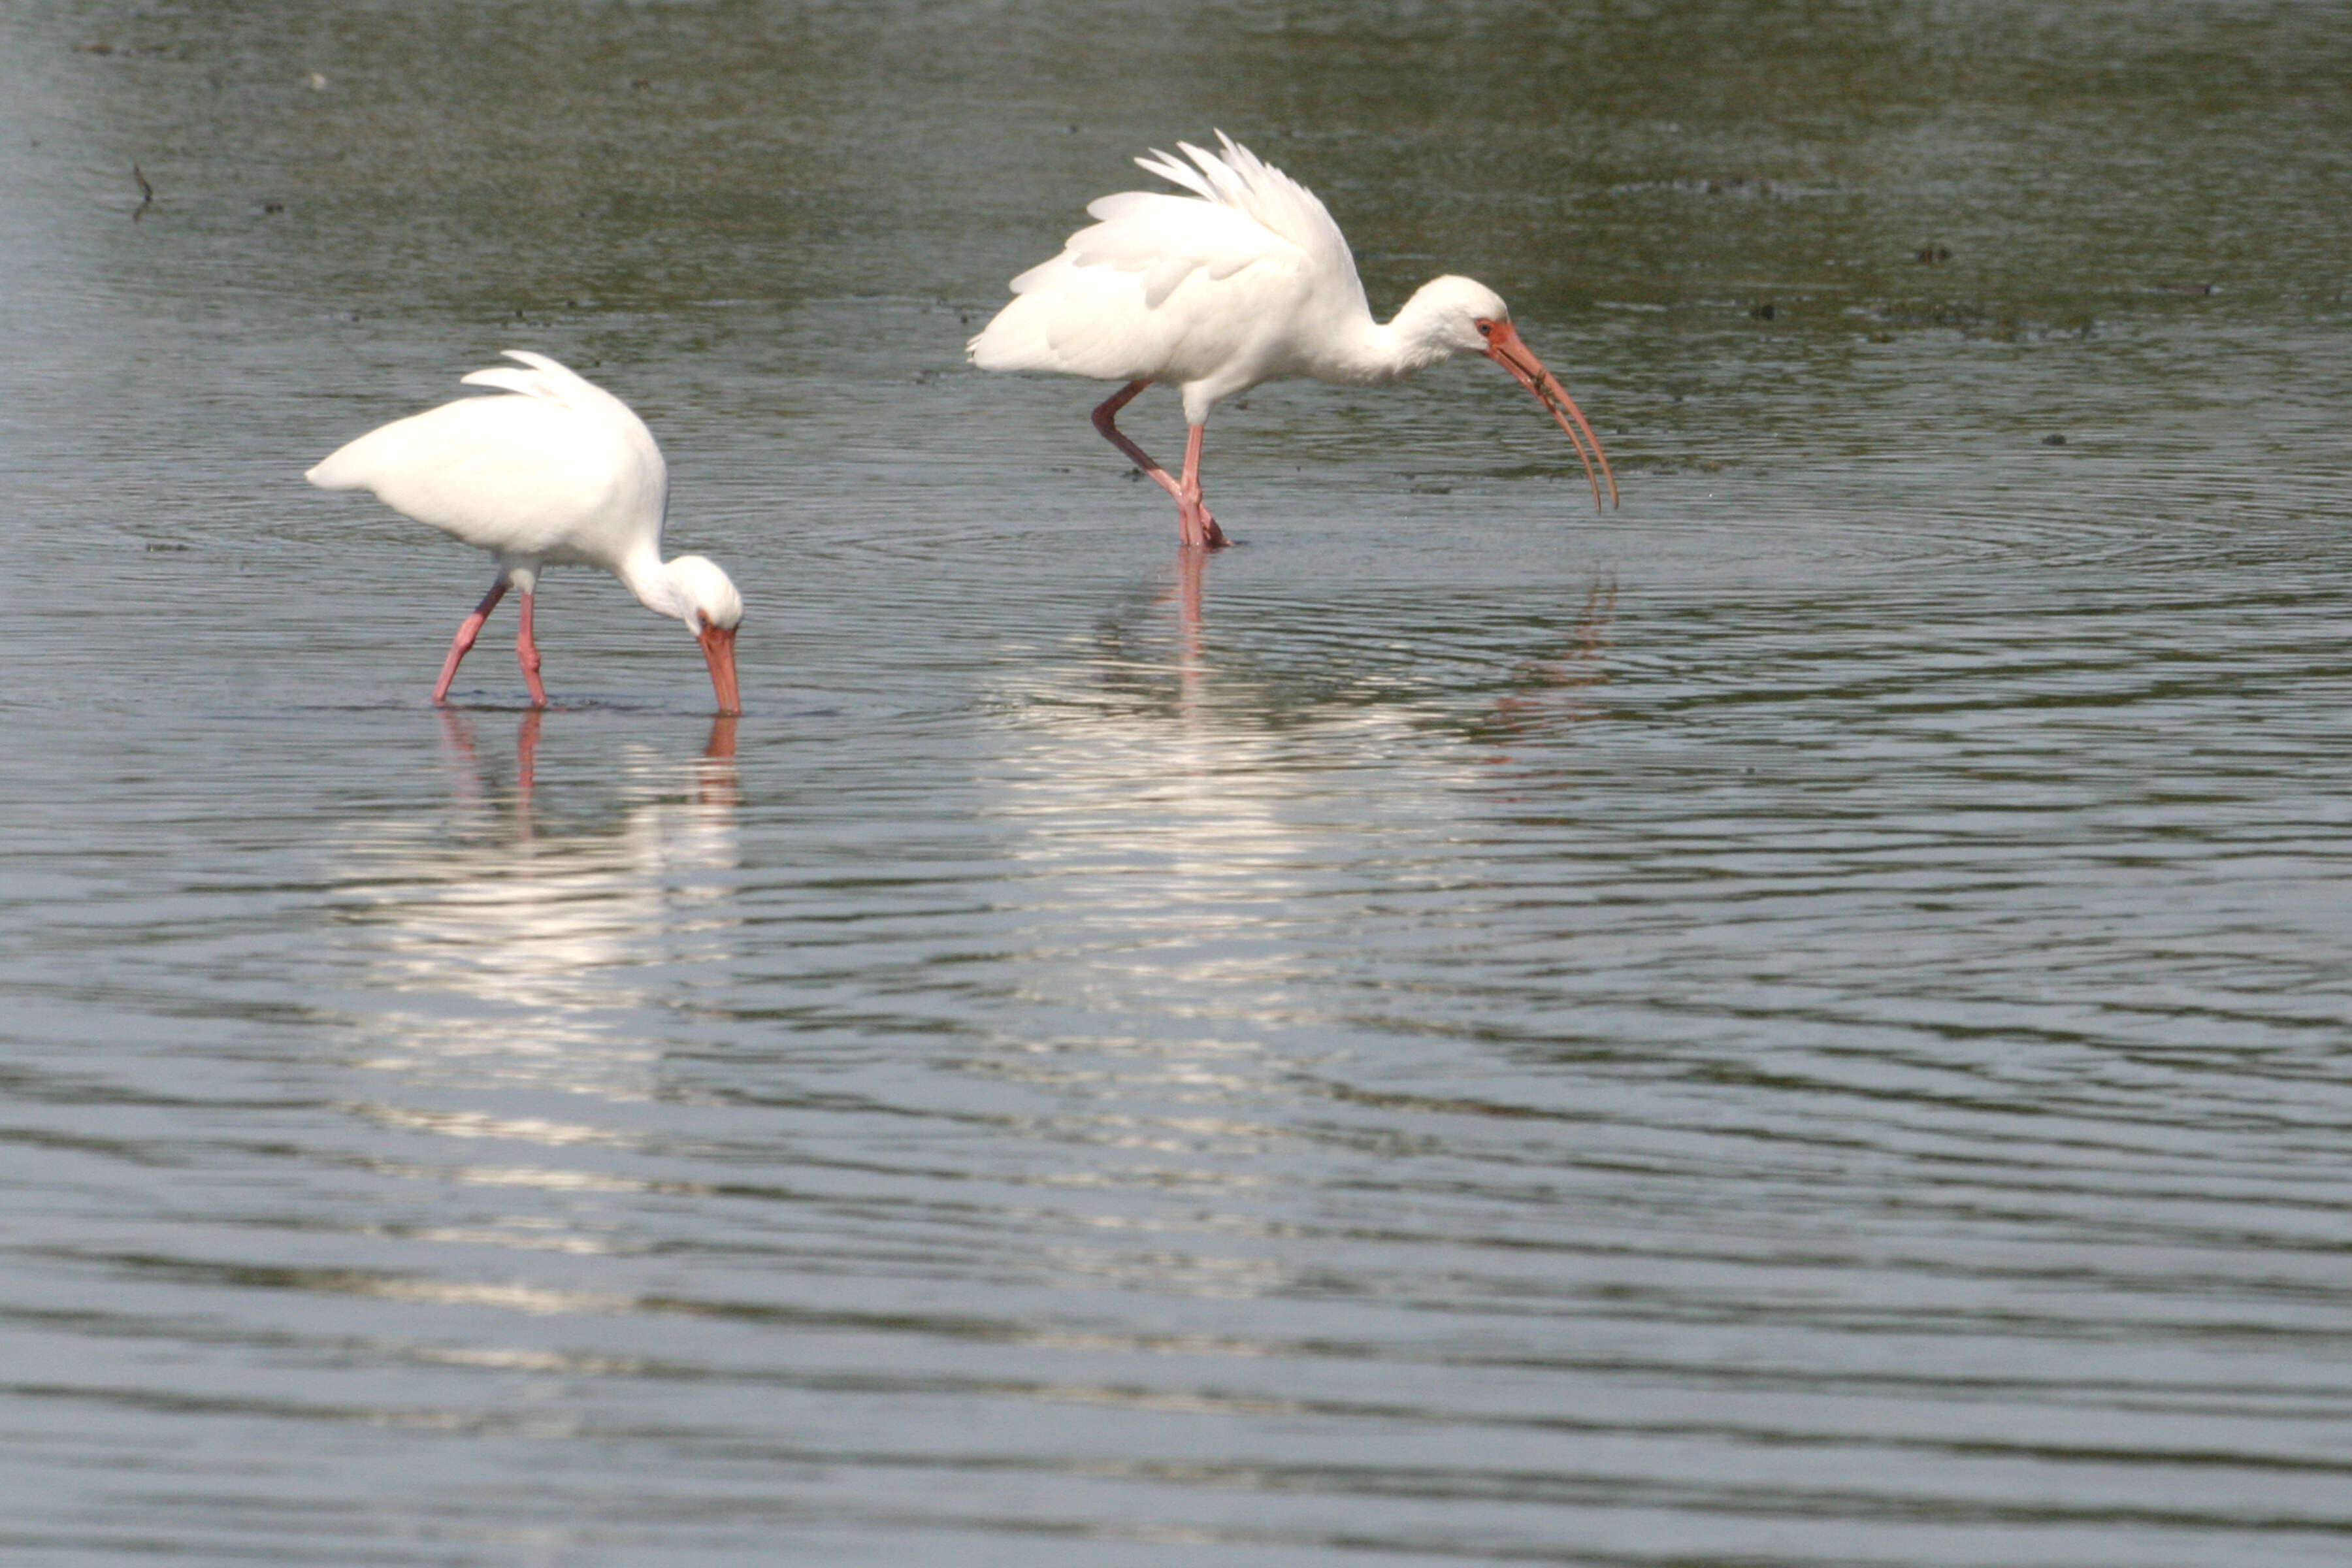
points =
(1245, 280)
(557, 473)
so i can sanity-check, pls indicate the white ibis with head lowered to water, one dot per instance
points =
(554, 472)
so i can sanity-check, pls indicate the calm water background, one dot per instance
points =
(1804, 1022)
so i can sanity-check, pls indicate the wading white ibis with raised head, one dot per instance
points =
(552, 471)
(1246, 280)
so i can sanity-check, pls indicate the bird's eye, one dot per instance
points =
(1485, 329)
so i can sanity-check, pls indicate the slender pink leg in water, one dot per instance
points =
(1106, 421)
(467, 630)
(1191, 514)
(1194, 523)
(526, 655)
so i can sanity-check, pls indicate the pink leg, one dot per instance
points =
(1106, 421)
(467, 630)
(1106, 416)
(1191, 516)
(1194, 526)
(526, 655)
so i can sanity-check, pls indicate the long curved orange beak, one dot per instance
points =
(718, 652)
(1504, 347)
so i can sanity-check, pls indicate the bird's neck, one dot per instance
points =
(646, 576)
(1377, 353)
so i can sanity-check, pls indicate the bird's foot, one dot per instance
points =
(1196, 528)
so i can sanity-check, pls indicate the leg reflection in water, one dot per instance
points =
(1190, 566)
(715, 781)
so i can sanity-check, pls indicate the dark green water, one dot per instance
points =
(1805, 1022)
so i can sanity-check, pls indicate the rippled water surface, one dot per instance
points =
(1802, 1022)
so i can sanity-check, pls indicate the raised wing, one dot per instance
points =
(1242, 181)
(1166, 287)
(548, 382)
(1165, 239)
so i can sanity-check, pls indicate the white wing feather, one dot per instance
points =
(1167, 239)
(549, 382)
(559, 470)
(1245, 183)
(1125, 301)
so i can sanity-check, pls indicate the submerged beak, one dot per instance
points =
(718, 652)
(1504, 347)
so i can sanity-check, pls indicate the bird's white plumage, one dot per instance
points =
(1242, 181)
(556, 472)
(1244, 280)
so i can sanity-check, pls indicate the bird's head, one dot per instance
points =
(706, 595)
(708, 603)
(1462, 315)
(1457, 313)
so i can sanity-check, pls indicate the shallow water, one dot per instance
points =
(1804, 1021)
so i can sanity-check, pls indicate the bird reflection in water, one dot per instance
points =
(1159, 768)
(1553, 692)
(1190, 803)
(506, 943)
(716, 782)
(1177, 789)
(1219, 829)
